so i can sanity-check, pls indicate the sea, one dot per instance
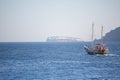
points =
(57, 61)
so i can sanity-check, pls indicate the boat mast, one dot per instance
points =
(92, 34)
(102, 35)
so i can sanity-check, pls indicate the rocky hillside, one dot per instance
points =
(113, 35)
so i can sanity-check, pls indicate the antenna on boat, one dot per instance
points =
(92, 34)
(102, 34)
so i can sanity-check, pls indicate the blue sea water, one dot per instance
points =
(57, 61)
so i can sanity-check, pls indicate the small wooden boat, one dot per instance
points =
(99, 49)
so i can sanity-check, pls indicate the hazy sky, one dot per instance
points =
(35, 20)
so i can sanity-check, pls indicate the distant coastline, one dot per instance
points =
(112, 36)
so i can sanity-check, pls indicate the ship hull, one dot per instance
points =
(92, 51)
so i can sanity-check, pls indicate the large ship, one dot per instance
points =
(98, 49)
(63, 39)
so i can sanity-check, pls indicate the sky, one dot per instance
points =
(35, 20)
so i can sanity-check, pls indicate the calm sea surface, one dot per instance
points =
(57, 61)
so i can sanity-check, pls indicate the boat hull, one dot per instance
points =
(92, 51)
